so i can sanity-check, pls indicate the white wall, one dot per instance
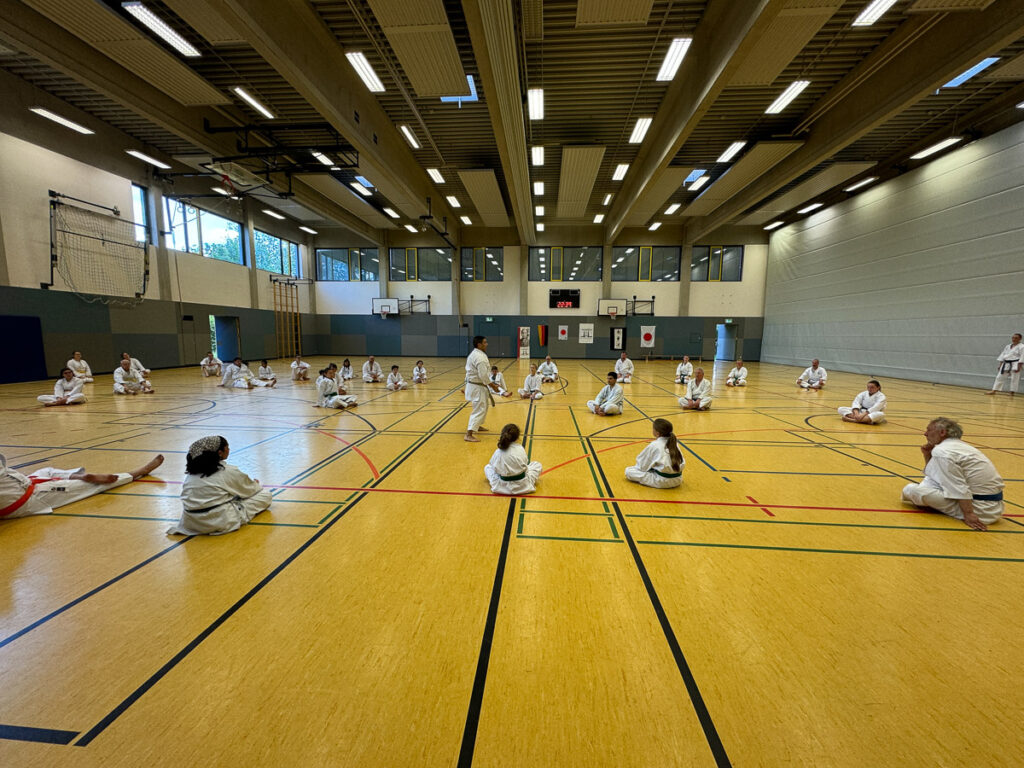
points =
(666, 295)
(740, 299)
(343, 298)
(440, 294)
(197, 279)
(537, 297)
(921, 277)
(483, 298)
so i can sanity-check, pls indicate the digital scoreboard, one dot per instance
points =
(564, 298)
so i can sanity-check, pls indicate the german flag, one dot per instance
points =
(542, 335)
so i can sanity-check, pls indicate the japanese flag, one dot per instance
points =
(646, 335)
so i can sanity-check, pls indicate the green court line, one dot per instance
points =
(962, 529)
(339, 506)
(519, 529)
(285, 525)
(571, 538)
(834, 551)
(562, 512)
(611, 522)
(174, 520)
(178, 496)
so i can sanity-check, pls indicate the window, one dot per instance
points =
(347, 264)
(194, 230)
(275, 255)
(569, 262)
(421, 263)
(479, 264)
(636, 263)
(716, 263)
(140, 213)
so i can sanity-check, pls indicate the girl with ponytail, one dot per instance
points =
(660, 464)
(510, 471)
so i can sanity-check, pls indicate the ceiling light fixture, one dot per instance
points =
(672, 209)
(873, 12)
(538, 210)
(360, 188)
(729, 154)
(673, 58)
(409, 136)
(411, 228)
(540, 227)
(453, 201)
(699, 183)
(599, 218)
(654, 226)
(811, 207)
(773, 225)
(310, 230)
(795, 89)
(538, 155)
(640, 129)
(607, 199)
(244, 96)
(362, 67)
(61, 120)
(538, 188)
(466, 220)
(391, 212)
(620, 171)
(963, 77)
(147, 159)
(861, 183)
(273, 214)
(324, 159)
(535, 101)
(158, 27)
(221, 191)
(936, 148)
(435, 175)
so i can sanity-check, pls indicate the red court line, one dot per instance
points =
(585, 455)
(366, 458)
(763, 509)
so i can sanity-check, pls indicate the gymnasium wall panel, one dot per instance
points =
(920, 277)
(744, 298)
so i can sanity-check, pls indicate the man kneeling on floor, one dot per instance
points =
(959, 480)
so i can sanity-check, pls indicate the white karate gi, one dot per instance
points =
(328, 395)
(128, 381)
(624, 370)
(510, 464)
(81, 370)
(957, 470)
(345, 372)
(478, 369)
(684, 372)
(419, 374)
(240, 377)
(654, 467)
(548, 371)
(531, 387)
(370, 371)
(138, 366)
(1009, 365)
(220, 503)
(396, 382)
(810, 378)
(266, 373)
(695, 391)
(609, 398)
(873, 404)
(44, 489)
(738, 376)
(72, 390)
(299, 369)
(210, 366)
(499, 379)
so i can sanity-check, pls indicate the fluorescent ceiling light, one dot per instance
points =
(310, 230)
(58, 119)
(729, 154)
(540, 227)
(147, 159)
(411, 228)
(654, 226)
(795, 89)
(699, 183)
(873, 12)
(364, 181)
(273, 214)
(435, 175)
(538, 210)
(453, 201)
(620, 171)
(244, 95)
(221, 191)
(535, 100)
(599, 218)
(360, 188)
(965, 76)
(672, 209)
(158, 27)
(391, 212)
(640, 129)
(538, 155)
(811, 207)
(1021, 105)
(324, 159)
(861, 183)
(335, 167)
(466, 220)
(936, 148)
(607, 199)
(773, 225)
(673, 58)
(409, 136)
(538, 188)
(365, 71)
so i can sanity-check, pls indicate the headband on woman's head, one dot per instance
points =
(204, 444)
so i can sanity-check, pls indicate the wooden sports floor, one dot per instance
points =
(780, 608)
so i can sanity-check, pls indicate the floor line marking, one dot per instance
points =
(833, 551)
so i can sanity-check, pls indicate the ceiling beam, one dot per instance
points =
(725, 35)
(953, 43)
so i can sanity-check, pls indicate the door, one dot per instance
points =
(725, 347)
(228, 341)
(23, 342)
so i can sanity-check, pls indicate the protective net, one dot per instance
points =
(98, 255)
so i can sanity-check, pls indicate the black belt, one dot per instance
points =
(1007, 366)
(510, 478)
(207, 509)
(665, 474)
(988, 496)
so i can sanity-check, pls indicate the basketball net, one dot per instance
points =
(612, 313)
(384, 314)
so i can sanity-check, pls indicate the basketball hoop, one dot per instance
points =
(612, 312)
(384, 313)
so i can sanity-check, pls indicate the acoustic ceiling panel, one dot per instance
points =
(579, 172)
(654, 196)
(949, 5)
(533, 20)
(805, 192)
(748, 169)
(784, 38)
(340, 193)
(1013, 69)
(482, 188)
(601, 13)
(422, 40)
(206, 21)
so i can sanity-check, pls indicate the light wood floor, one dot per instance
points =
(781, 608)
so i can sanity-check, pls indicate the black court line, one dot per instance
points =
(703, 715)
(38, 735)
(135, 695)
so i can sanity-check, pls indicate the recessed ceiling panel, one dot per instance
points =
(600, 13)
(805, 192)
(579, 172)
(949, 5)
(482, 188)
(206, 21)
(653, 199)
(784, 38)
(334, 190)
(748, 169)
(1011, 70)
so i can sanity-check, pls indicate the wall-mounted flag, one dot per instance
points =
(542, 335)
(563, 333)
(647, 336)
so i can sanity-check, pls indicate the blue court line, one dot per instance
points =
(59, 447)
(119, 439)
(38, 735)
(696, 455)
(833, 551)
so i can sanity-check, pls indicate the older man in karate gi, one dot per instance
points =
(1010, 361)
